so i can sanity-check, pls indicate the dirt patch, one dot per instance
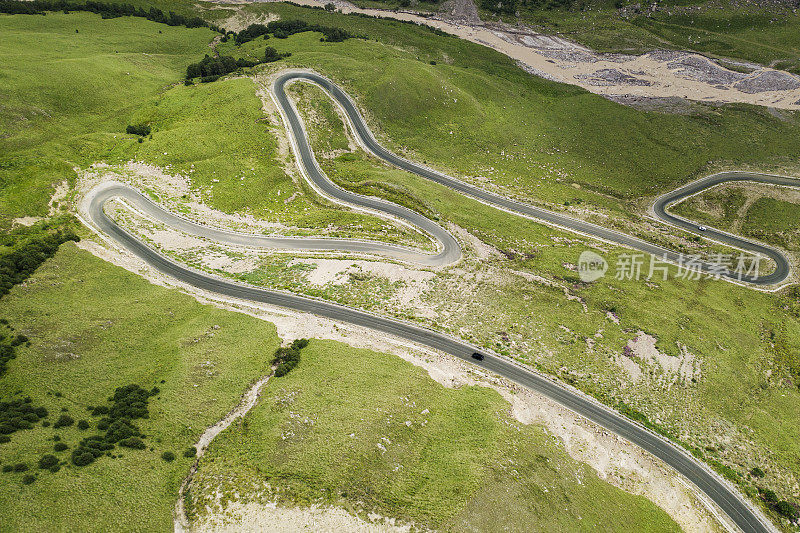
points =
(482, 250)
(270, 518)
(673, 369)
(243, 19)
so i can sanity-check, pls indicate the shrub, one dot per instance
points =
(48, 461)
(769, 496)
(299, 344)
(60, 447)
(121, 429)
(55, 468)
(83, 424)
(786, 509)
(757, 472)
(20, 467)
(168, 456)
(142, 130)
(63, 421)
(270, 55)
(133, 442)
(8, 468)
(4, 439)
(284, 368)
(100, 410)
(82, 459)
(191, 451)
(27, 479)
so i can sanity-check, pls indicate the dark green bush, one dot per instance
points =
(284, 368)
(82, 459)
(27, 479)
(168, 456)
(48, 461)
(8, 468)
(20, 467)
(191, 451)
(63, 421)
(271, 55)
(4, 439)
(100, 410)
(60, 447)
(83, 424)
(121, 429)
(786, 509)
(288, 357)
(142, 130)
(757, 472)
(133, 442)
(55, 468)
(299, 344)
(769, 496)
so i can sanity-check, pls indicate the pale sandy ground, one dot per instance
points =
(625, 78)
(672, 369)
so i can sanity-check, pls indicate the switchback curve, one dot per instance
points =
(365, 137)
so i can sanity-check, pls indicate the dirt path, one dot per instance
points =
(629, 79)
(181, 524)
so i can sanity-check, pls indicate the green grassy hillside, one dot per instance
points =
(94, 327)
(369, 431)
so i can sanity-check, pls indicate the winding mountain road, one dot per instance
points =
(740, 512)
(365, 137)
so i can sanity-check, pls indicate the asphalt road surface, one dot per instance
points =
(365, 137)
(448, 252)
(712, 485)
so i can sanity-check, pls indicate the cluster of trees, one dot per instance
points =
(127, 404)
(64, 421)
(30, 247)
(104, 9)
(282, 29)
(212, 68)
(17, 415)
(288, 358)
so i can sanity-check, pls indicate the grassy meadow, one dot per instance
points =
(94, 327)
(372, 432)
